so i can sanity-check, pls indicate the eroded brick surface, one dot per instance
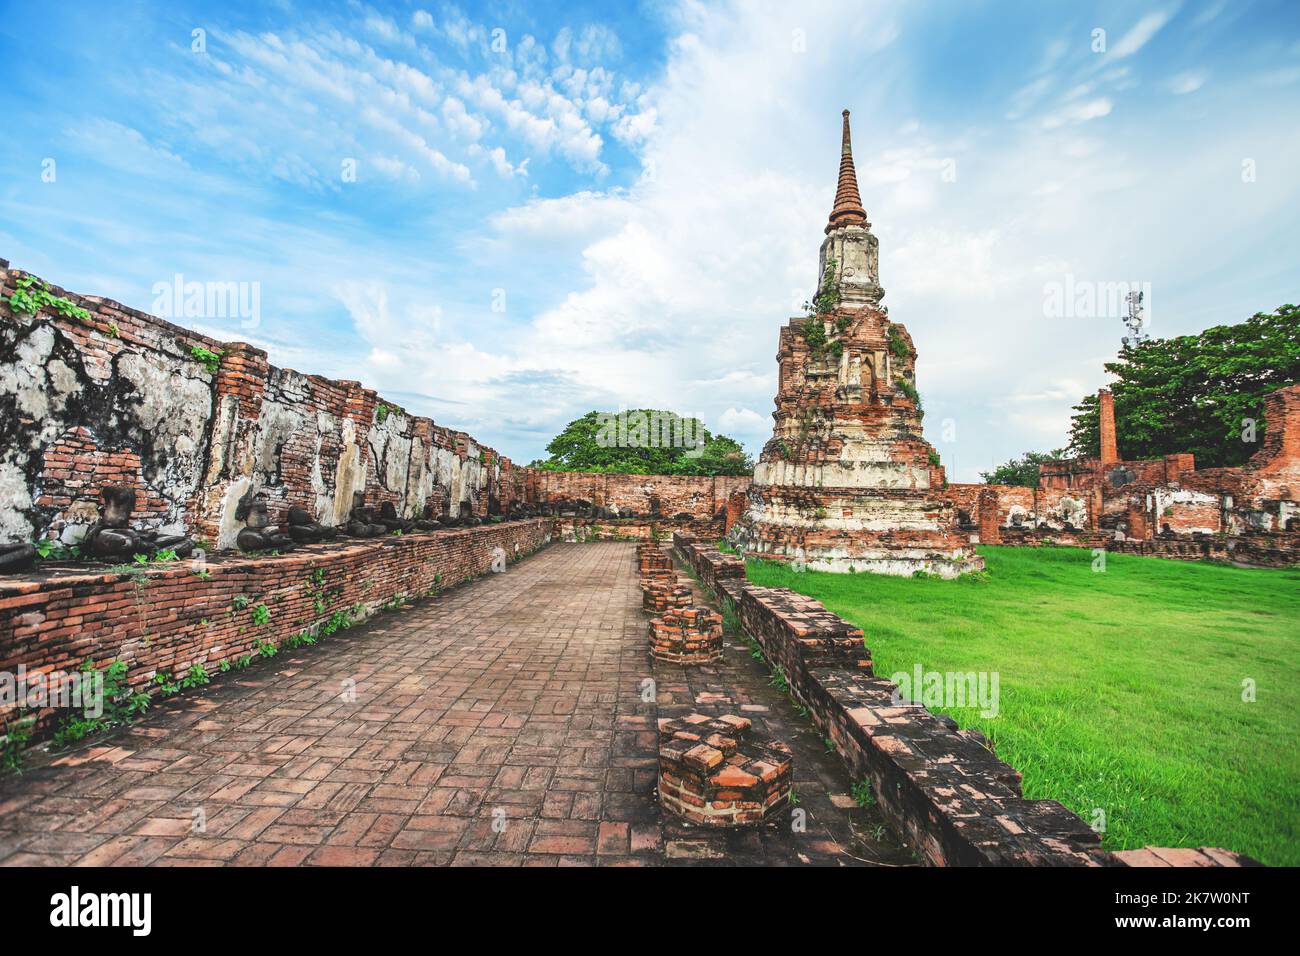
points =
(503, 723)
(718, 771)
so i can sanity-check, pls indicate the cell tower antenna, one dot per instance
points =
(1134, 321)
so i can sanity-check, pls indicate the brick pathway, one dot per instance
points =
(500, 723)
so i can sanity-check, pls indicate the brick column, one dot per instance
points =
(1280, 450)
(736, 504)
(1106, 415)
(988, 506)
(1178, 465)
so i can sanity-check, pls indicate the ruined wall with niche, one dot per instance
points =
(1031, 508)
(1140, 501)
(121, 398)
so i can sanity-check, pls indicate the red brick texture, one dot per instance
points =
(1106, 419)
(664, 496)
(687, 635)
(664, 594)
(720, 771)
(1183, 856)
(988, 517)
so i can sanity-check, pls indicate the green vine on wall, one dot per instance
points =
(821, 344)
(29, 298)
(908, 389)
(208, 358)
(827, 297)
(897, 344)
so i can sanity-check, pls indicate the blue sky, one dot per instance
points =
(561, 207)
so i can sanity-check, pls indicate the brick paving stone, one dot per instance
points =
(500, 723)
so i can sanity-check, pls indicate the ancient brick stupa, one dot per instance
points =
(847, 482)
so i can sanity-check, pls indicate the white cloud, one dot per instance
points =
(745, 423)
(1078, 113)
(583, 213)
(1185, 83)
(1140, 34)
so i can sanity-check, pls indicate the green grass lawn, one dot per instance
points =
(1119, 690)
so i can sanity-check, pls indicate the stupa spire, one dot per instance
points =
(847, 210)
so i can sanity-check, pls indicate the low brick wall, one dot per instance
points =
(1277, 549)
(1047, 537)
(721, 573)
(168, 617)
(941, 787)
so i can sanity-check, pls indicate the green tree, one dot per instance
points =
(1020, 471)
(1192, 393)
(644, 441)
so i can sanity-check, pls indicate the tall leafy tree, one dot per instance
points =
(1193, 393)
(644, 441)
(1020, 471)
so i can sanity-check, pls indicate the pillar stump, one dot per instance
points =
(721, 771)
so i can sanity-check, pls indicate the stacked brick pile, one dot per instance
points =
(687, 635)
(681, 633)
(650, 556)
(663, 594)
(720, 771)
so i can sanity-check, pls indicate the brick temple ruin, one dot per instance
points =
(848, 482)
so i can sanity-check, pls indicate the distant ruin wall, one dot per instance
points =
(645, 495)
(1050, 508)
(124, 398)
(1163, 508)
(633, 529)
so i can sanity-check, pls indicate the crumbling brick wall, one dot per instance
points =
(124, 397)
(1083, 501)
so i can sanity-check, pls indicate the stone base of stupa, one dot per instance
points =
(853, 530)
